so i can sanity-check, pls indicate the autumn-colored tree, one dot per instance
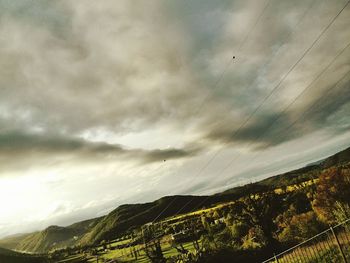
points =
(254, 239)
(332, 197)
(300, 227)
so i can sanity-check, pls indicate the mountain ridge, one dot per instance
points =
(128, 216)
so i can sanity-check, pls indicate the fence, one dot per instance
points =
(331, 245)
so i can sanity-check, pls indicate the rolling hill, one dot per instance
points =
(51, 237)
(129, 216)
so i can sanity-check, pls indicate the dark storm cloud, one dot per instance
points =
(24, 144)
(17, 147)
(329, 110)
(267, 126)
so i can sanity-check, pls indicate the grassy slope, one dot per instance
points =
(43, 240)
(127, 216)
(11, 242)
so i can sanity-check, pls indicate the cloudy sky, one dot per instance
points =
(110, 102)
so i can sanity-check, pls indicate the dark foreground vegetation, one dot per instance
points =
(9, 256)
(244, 224)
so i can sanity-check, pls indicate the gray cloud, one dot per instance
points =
(85, 83)
(95, 74)
(73, 82)
(267, 126)
(16, 148)
(277, 127)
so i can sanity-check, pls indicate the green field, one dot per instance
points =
(123, 255)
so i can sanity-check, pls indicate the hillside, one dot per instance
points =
(12, 242)
(51, 237)
(293, 177)
(9, 256)
(129, 216)
(132, 215)
(339, 158)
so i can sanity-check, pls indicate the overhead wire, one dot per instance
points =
(273, 90)
(220, 79)
(283, 78)
(280, 114)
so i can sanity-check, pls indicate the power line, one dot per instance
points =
(240, 46)
(268, 95)
(279, 115)
(287, 107)
(278, 85)
(220, 79)
(267, 3)
(317, 101)
(311, 107)
(242, 125)
(305, 53)
(300, 20)
(275, 88)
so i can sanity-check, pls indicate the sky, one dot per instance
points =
(110, 102)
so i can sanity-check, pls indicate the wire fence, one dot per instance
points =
(331, 245)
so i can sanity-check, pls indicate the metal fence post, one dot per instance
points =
(339, 247)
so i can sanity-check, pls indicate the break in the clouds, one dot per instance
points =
(130, 100)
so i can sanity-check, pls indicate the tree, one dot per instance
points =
(300, 227)
(205, 222)
(229, 219)
(216, 214)
(239, 230)
(332, 197)
(154, 251)
(254, 239)
(259, 210)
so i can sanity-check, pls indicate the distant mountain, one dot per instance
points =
(132, 215)
(308, 172)
(337, 159)
(12, 242)
(51, 237)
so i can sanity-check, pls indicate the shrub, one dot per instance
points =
(300, 227)
(254, 239)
